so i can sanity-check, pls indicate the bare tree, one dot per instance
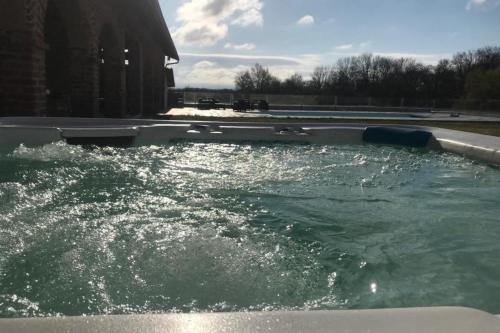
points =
(472, 74)
(261, 77)
(257, 79)
(294, 84)
(244, 82)
(320, 78)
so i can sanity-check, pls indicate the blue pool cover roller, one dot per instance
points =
(397, 136)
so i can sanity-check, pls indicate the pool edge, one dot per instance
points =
(429, 320)
(40, 131)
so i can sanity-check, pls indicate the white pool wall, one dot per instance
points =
(41, 131)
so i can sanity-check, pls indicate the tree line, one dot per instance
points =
(467, 75)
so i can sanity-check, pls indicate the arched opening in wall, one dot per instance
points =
(110, 71)
(57, 62)
(134, 77)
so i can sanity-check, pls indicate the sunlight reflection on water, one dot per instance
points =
(233, 227)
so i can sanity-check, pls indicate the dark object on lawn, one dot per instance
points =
(209, 104)
(261, 105)
(241, 105)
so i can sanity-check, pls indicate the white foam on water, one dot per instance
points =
(229, 227)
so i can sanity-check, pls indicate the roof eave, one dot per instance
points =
(167, 43)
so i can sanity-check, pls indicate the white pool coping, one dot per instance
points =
(41, 131)
(428, 320)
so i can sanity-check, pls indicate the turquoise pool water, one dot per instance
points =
(235, 227)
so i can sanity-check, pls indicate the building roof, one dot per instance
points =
(162, 32)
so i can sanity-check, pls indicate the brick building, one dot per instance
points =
(84, 58)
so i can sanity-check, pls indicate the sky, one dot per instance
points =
(217, 39)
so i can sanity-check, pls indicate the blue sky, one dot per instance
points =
(219, 38)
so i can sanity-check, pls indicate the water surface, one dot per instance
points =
(235, 227)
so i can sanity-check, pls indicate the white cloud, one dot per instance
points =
(200, 33)
(361, 47)
(345, 47)
(219, 70)
(215, 70)
(250, 17)
(306, 20)
(205, 22)
(481, 4)
(212, 74)
(241, 57)
(239, 47)
(475, 3)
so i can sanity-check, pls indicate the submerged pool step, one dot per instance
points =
(115, 137)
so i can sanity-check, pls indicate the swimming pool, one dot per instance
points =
(233, 227)
(281, 114)
(344, 114)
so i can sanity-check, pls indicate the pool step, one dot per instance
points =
(102, 137)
